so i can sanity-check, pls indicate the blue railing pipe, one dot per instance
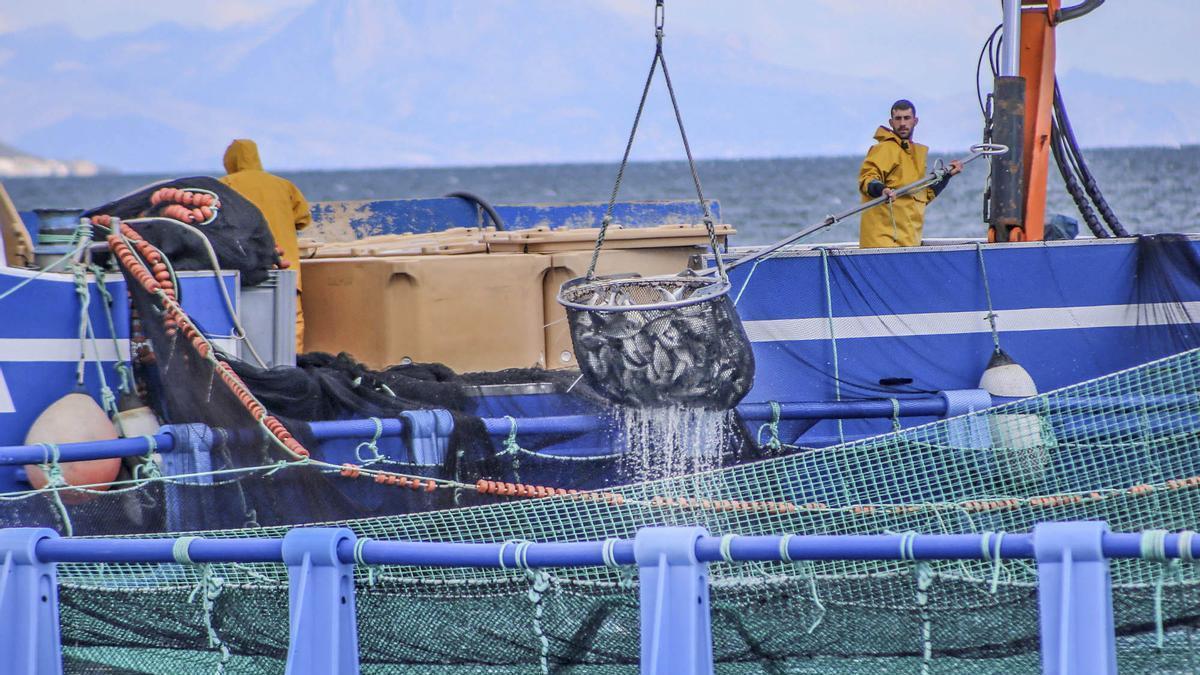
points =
(198, 550)
(509, 555)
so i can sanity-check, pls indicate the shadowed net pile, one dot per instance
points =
(1124, 448)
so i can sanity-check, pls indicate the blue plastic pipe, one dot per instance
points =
(589, 553)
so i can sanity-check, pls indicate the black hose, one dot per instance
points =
(483, 204)
(1072, 185)
(1085, 175)
(1068, 13)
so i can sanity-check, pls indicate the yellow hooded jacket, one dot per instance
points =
(896, 163)
(280, 201)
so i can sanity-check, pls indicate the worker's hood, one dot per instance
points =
(881, 134)
(242, 155)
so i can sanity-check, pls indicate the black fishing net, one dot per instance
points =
(239, 234)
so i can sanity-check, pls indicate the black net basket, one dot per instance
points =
(661, 341)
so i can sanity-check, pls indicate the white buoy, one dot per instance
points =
(74, 418)
(1019, 439)
(1005, 377)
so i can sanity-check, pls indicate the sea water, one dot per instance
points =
(1151, 189)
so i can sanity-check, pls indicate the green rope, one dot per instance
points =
(372, 445)
(512, 447)
(924, 574)
(147, 469)
(121, 366)
(837, 379)
(539, 583)
(773, 426)
(1154, 547)
(55, 482)
(987, 291)
(749, 276)
(895, 414)
(358, 559)
(208, 589)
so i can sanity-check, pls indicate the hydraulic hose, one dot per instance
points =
(483, 204)
(1085, 175)
(1068, 13)
(1072, 184)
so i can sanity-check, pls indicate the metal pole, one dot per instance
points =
(1010, 46)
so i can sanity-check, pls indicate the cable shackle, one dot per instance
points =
(707, 217)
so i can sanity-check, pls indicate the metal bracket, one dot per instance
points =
(1075, 599)
(676, 618)
(30, 641)
(323, 638)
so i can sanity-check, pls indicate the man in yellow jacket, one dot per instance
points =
(893, 162)
(281, 203)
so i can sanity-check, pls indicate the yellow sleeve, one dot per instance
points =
(880, 162)
(300, 211)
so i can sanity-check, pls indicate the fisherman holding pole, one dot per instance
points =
(895, 161)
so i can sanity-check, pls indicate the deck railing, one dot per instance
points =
(1074, 587)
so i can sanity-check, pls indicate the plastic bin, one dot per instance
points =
(471, 311)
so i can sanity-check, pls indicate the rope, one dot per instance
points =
(1154, 548)
(906, 545)
(55, 483)
(1185, 546)
(659, 57)
(121, 367)
(512, 447)
(539, 583)
(895, 414)
(179, 550)
(987, 291)
(726, 547)
(208, 589)
(773, 426)
(520, 554)
(148, 468)
(924, 574)
(371, 445)
(358, 559)
(991, 553)
(837, 379)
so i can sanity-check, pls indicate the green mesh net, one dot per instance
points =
(1124, 448)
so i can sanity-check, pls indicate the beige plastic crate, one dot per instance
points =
(546, 240)
(474, 311)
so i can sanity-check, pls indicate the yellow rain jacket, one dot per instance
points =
(896, 166)
(281, 203)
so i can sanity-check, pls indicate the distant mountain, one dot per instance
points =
(15, 163)
(355, 83)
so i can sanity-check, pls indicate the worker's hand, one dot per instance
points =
(890, 194)
(955, 167)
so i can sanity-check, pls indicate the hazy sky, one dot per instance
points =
(1142, 39)
(543, 81)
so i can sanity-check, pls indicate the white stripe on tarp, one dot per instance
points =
(34, 350)
(6, 404)
(959, 323)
